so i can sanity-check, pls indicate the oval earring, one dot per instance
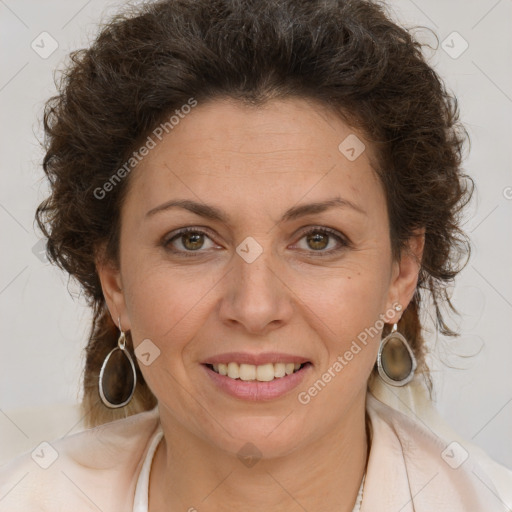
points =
(116, 387)
(395, 361)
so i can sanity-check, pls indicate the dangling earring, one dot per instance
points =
(395, 361)
(117, 387)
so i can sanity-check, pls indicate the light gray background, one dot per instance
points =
(44, 323)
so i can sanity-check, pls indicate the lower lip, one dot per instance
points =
(255, 390)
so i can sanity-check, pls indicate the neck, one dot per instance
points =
(189, 474)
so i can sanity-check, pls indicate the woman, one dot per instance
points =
(254, 195)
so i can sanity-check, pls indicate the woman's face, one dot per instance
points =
(288, 261)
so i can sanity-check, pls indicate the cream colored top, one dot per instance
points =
(409, 469)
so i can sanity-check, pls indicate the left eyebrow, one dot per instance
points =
(307, 209)
(214, 213)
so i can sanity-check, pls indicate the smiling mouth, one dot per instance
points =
(261, 373)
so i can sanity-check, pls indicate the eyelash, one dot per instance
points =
(344, 243)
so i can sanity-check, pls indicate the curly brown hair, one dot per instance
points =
(347, 54)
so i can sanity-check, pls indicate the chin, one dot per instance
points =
(263, 437)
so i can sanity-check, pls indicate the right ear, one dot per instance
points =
(111, 283)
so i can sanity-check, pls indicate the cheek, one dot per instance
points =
(162, 303)
(347, 315)
(164, 307)
(350, 345)
(346, 300)
(168, 304)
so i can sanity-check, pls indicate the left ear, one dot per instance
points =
(405, 273)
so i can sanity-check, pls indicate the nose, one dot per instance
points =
(256, 297)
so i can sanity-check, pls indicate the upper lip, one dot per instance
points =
(255, 359)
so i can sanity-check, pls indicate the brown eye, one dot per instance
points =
(318, 241)
(192, 241)
(323, 241)
(187, 241)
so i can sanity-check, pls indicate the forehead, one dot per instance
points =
(267, 156)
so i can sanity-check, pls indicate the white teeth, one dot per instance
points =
(233, 370)
(279, 370)
(247, 372)
(263, 373)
